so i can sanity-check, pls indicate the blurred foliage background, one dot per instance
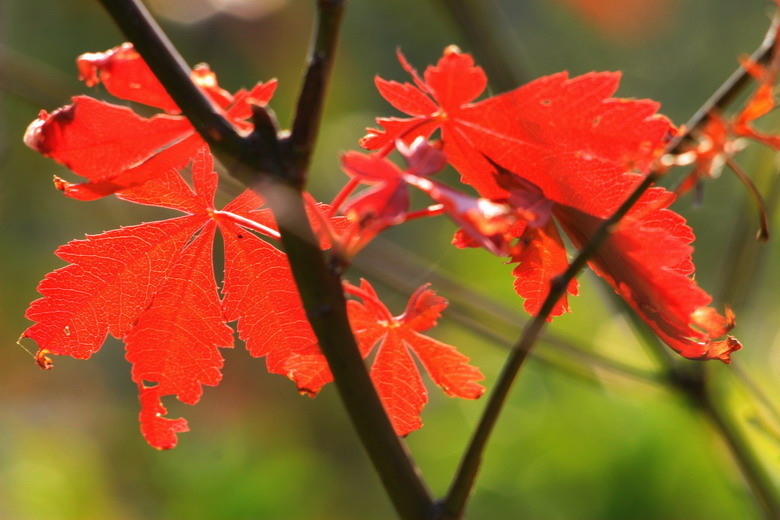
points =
(580, 439)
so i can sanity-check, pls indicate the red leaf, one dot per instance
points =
(405, 97)
(110, 282)
(647, 260)
(394, 372)
(158, 431)
(153, 286)
(581, 153)
(541, 259)
(175, 341)
(261, 294)
(98, 140)
(113, 147)
(548, 130)
(127, 76)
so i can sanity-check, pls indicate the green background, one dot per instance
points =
(577, 440)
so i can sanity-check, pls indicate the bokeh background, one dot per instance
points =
(579, 439)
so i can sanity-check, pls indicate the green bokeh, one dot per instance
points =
(581, 443)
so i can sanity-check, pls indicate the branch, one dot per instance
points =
(311, 99)
(323, 298)
(453, 505)
(262, 162)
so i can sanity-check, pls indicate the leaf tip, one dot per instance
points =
(452, 49)
(722, 350)
(43, 360)
(159, 431)
(41, 134)
(60, 183)
(41, 357)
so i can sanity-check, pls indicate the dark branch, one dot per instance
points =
(312, 97)
(278, 170)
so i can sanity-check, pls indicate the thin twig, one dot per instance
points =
(453, 505)
(312, 96)
(748, 261)
(763, 218)
(455, 502)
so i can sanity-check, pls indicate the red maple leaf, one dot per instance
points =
(114, 148)
(153, 286)
(394, 371)
(584, 152)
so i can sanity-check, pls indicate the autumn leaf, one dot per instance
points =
(153, 287)
(583, 152)
(567, 136)
(114, 148)
(394, 371)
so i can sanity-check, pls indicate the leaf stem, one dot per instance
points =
(763, 217)
(453, 505)
(250, 224)
(431, 211)
(341, 197)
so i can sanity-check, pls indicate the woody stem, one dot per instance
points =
(277, 168)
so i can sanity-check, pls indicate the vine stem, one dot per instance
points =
(453, 505)
(277, 169)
